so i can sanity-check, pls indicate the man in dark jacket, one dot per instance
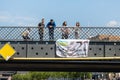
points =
(51, 26)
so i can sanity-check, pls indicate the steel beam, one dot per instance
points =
(61, 64)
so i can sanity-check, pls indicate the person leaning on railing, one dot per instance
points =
(51, 26)
(26, 33)
(41, 26)
(65, 30)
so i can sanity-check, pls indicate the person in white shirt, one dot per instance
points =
(77, 30)
(65, 30)
(25, 34)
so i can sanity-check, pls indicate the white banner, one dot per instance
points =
(72, 48)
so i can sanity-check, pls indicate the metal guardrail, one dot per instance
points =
(92, 33)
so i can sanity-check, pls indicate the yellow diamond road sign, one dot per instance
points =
(7, 51)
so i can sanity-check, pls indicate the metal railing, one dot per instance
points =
(92, 33)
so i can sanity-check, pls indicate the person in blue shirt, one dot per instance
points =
(51, 26)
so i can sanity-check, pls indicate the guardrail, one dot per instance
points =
(47, 49)
(92, 33)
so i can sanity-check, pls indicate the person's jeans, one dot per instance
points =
(51, 34)
(64, 36)
(26, 38)
(41, 36)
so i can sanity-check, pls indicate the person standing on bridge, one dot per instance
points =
(65, 30)
(77, 30)
(51, 26)
(41, 26)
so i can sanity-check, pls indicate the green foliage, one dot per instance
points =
(46, 75)
(22, 77)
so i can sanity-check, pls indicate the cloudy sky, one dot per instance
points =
(87, 12)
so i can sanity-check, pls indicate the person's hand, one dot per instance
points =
(50, 26)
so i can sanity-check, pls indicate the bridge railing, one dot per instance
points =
(92, 33)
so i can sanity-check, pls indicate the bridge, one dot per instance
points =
(36, 55)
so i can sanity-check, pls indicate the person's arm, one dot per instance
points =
(27, 33)
(68, 30)
(39, 25)
(47, 25)
(44, 26)
(54, 25)
(62, 29)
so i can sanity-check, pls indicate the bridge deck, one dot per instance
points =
(26, 58)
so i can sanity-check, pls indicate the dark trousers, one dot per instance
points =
(51, 34)
(41, 35)
(64, 36)
(26, 38)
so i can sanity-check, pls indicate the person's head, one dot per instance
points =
(64, 23)
(77, 24)
(42, 20)
(51, 20)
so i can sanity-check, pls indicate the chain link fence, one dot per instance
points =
(92, 33)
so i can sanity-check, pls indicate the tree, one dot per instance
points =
(46, 75)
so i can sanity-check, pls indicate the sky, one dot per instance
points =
(90, 13)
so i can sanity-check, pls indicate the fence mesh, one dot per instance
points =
(92, 33)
